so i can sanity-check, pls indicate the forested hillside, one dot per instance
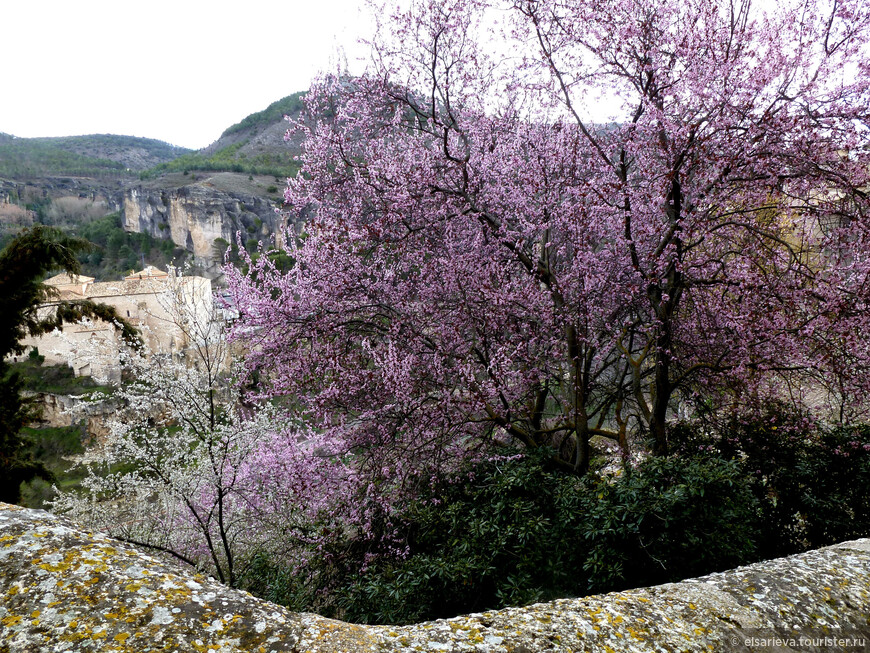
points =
(97, 155)
(254, 145)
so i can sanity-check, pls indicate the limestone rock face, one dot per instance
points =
(65, 410)
(62, 588)
(195, 215)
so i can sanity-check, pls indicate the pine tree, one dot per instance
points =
(23, 264)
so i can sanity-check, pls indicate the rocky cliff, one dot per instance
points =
(195, 212)
(62, 588)
(192, 198)
(66, 410)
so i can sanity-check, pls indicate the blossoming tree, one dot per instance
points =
(187, 467)
(492, 257)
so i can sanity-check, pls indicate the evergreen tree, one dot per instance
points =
(29, 307)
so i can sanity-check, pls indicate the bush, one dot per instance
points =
(494, 540)
(56, 379)
(672, 518)
(511, 531)
(51, 446)
(119, 251)
(809, 481)
(301, 590)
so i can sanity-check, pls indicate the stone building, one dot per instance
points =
(149, 299)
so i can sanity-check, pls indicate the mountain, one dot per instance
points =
(262, 130)
(201, 202)
(255, 145)
(97, 155)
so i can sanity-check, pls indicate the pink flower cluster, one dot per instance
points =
(488, 261)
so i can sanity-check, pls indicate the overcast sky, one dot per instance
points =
(180, 71)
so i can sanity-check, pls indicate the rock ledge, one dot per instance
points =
(63, 589)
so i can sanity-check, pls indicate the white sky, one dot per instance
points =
(180, 71)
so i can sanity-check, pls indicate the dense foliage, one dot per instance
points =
(810, 480)
(52, 447)
(515, 531)
(485, 262)
(17, 463)
(119, 251)
(55, 379)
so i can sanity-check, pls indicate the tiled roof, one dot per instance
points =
(64, 279)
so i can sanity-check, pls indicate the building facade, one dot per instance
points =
(160, 304)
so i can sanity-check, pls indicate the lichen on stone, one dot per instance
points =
(65, 589)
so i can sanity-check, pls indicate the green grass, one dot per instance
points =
(225, 160)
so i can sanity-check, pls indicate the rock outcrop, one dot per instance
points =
(198, 214)
(65, 589)
(66, 410)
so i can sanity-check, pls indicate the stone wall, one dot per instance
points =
(152, 305)
(65, 589)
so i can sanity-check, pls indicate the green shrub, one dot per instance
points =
(511, 531)
(301, 590)
(56, 379)
(810, 482)
(119, 251)
(51, 447)
(671, 518)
